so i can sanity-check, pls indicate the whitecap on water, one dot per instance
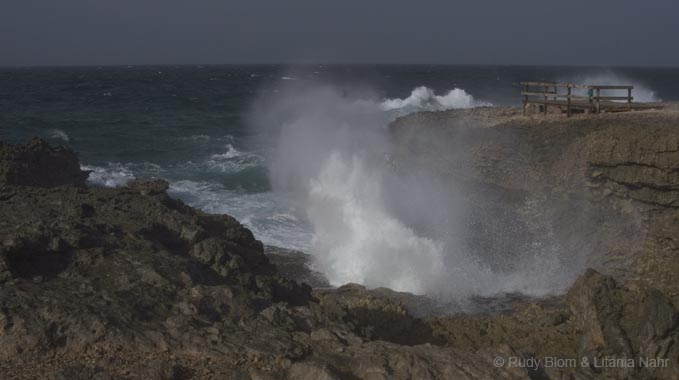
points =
(58, 134)
(230, 161)
(231, 152)
(424, 99)
(116, 174)
(113, 175)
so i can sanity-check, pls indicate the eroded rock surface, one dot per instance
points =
(38, 164)
(604, 187)
(128, 283)
(613, 321)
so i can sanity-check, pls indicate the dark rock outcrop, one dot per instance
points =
(128, 283)
(618, 322)
(38, 164)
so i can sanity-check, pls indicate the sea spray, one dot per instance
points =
(641, 92)
(357, 240)
(378, 226)
(113, 175)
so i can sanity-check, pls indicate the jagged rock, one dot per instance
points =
(311, 371)
(296, 265)
(375, 316)
(127, 267)
(149, 187)
(128, 283)
(635, 163)
(38, 164)
(119, 283)
(622, 323)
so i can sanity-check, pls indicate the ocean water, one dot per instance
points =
(292, 152)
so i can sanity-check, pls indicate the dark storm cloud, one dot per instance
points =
(606, 32)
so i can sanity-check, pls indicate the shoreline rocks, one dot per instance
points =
(128, 283)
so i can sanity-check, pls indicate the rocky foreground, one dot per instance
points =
(128, 283)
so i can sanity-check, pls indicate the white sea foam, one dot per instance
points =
(424, 99)
(58, 134)
(113, 175)
(231, 152)
(231, 161)
(269, 216)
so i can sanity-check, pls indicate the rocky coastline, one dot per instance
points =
(129, 283)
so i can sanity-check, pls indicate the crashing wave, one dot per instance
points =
(269, 216)
(231, 161)
(231, 152)
(356, 239)
(424, 99)
(58, 134)
(113, 175)
(384, 228)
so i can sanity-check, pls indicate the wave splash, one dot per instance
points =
(357, 240)
(269, 216)
(231, 161)
(113, 175)
(58, 134)
(424, 99)
(116, 174)
(371, 224)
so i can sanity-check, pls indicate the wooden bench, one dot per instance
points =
(561, 95)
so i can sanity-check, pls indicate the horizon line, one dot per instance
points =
(83, 65)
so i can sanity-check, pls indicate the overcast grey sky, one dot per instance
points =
(596, 32)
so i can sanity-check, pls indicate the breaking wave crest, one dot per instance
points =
(116, 174)
(112, 175)
(58, 134)
(424, 99)
(229, 162)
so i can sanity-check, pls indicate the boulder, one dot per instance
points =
(617, 322)
(36, 163)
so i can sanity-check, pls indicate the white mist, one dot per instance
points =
(370, 224)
